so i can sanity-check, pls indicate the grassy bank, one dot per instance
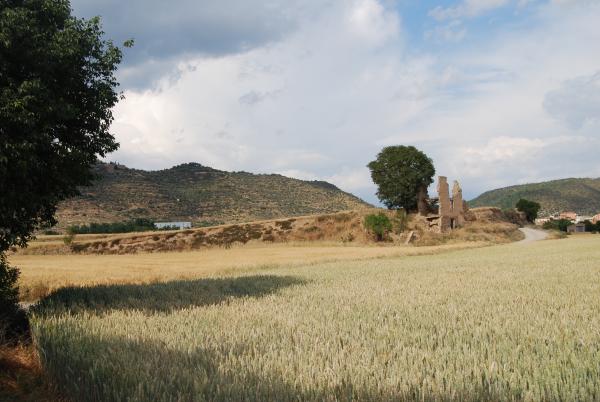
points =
(509, 322)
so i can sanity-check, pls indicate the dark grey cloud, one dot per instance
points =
(165, 31)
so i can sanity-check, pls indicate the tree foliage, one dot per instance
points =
(400, 172)
(529, 208)
(57, 88)
(400, 221)
(558, 224)
(591, 227)
(134, 225)
(379, 224)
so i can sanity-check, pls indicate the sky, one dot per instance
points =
(496, 92)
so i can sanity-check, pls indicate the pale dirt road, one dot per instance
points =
(532, 235)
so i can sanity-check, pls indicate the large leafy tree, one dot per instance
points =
(57, 88)
(401, 173)
(529, 208)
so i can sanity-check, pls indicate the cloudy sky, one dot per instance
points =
(497, 92)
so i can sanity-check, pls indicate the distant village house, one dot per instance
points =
(570, 216)
(579, 221)
(583, 218)
(541, 221)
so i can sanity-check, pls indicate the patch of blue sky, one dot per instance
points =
(423, 32)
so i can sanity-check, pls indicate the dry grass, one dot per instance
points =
(22, 378)
(343, 227)
(478, 231)
(556, 234)
(40, 274)
(338, 227)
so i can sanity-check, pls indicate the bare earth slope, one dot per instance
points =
(342, 227)
(579, 195)
(205, 196)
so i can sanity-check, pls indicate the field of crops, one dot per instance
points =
(41, 274)
(511, 322)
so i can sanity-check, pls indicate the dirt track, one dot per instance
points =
(532, 235)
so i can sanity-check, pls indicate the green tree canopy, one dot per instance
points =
(400, 172)
(529, 208)
(57, 88)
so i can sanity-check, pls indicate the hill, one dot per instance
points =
(200, 194)
(579, 195)
(485, 226)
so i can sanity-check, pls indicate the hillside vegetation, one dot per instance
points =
(196, 193)
(343, 227)
(579, 195)
(507, 323)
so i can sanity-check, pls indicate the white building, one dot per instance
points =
(173, 225)
(541, 221)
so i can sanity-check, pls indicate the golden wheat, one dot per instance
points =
(40, 274)
(510, 322)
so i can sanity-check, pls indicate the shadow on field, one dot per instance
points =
(161, 297)
(109, 369)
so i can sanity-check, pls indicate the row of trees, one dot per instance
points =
(135, 225)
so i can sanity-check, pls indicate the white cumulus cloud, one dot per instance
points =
(320, 102)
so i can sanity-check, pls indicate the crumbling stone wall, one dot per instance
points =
(451, 211)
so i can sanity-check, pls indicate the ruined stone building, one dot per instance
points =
(451, 211)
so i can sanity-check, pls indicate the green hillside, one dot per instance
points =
(205, 196)
(579, 195)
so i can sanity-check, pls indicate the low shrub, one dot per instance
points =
(559, 224)
(51, 232)
(69, 238)
(378, 224)
(285, 225)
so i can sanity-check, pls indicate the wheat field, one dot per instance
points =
(511, 322)
(41, 274)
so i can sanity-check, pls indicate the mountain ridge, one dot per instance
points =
(201, 194)
(581, 195)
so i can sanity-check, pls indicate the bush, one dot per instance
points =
(530, 208)
(70, 236)
(379, 224)
(51, 232)
(514, 216)
(592, 227)
(14, 325)
(560, 224)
